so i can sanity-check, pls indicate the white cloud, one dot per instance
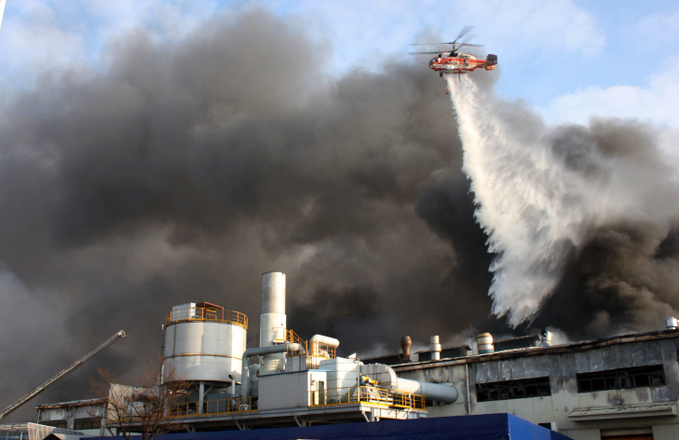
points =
(656, 102)
(537, 26)
(30, 49)
(40, 36)
(657, 29)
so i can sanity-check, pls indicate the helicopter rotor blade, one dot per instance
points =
(465, 30)
(456, 44)
(447, 42)
(434, 44)
(468, 38)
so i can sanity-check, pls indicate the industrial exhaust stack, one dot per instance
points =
(406, 345)
(435, 348)
(273, 323)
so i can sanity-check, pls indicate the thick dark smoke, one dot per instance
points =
(181, 173)
(623, 278)
(570, 211)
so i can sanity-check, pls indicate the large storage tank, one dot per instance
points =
(204, 342)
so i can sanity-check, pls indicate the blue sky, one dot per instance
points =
(569, 59)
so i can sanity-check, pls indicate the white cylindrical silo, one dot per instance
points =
(204, 344)
(273, 324)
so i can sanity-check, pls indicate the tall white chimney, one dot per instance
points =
(273, 324)
(435, 348)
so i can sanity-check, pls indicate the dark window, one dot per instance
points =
(513, 389)
(87, 424)
(56, 423)
(549, 425)
(634, 377)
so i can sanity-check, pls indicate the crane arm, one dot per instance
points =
(110, 341)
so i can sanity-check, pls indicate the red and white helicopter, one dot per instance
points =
(454, 61)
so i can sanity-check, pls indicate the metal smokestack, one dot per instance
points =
(273, 322)
(484, 343)
(406, 344)
(435, 348)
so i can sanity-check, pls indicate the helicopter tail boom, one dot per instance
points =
(491, 62)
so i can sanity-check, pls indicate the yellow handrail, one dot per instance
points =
(207, 314)
(366, 394)
(210, 407)
(313, 350)
(329, 397)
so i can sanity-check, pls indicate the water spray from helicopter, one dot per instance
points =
(549, 200)
(542, 194)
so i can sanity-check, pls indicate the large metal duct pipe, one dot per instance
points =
(262, 351)
(319, 349)
(433, 391)
(325, 340)
(273, 322)
(387, 378)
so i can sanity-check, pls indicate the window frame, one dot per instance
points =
(513, 389)
(621, 378)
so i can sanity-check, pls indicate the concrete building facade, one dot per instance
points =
(624, 387)
(85, 416)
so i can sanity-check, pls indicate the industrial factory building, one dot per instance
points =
(624, 387)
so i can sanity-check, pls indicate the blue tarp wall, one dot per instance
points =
(479, 427)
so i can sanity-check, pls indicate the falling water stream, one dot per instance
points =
(537, 192)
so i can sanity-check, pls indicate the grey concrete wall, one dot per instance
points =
(562, 368)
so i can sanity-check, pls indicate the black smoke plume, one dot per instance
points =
(180, 173)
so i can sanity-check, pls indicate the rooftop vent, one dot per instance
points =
(484, 343)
